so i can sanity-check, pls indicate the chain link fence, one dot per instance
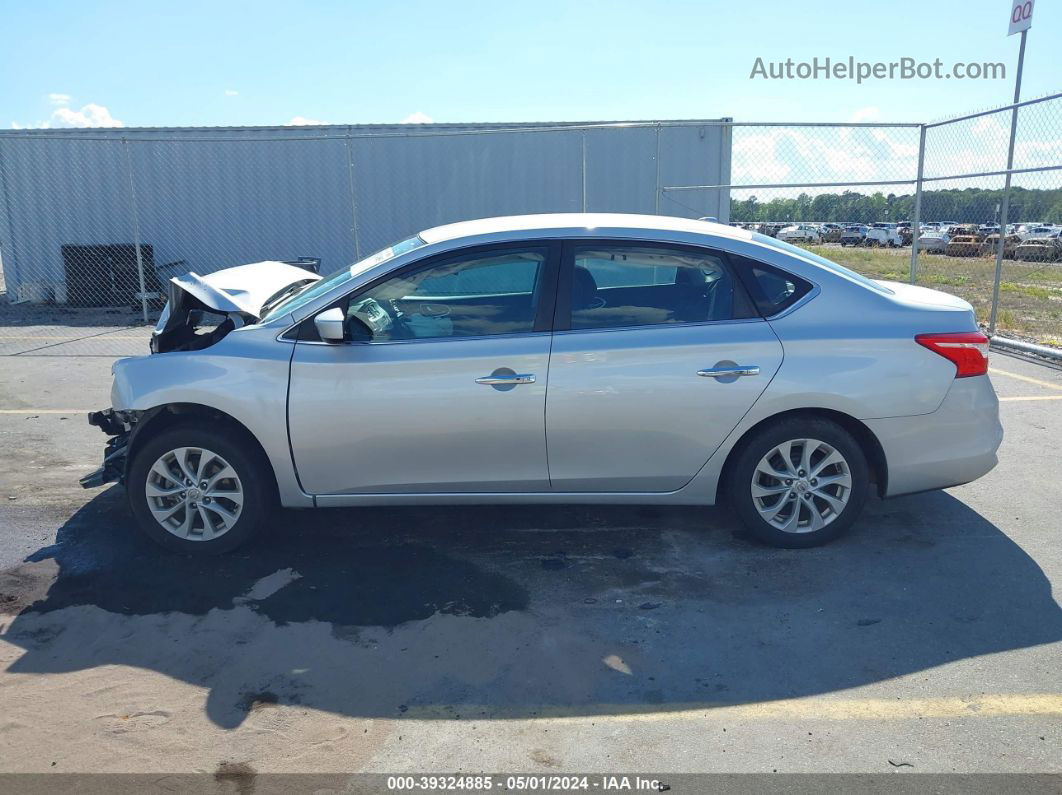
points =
(917, 202)
(94, 223)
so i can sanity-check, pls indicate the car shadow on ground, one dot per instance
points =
(513, 611)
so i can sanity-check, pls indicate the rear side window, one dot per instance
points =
(620, 286)
(772, 290)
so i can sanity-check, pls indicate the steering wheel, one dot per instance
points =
(400, 329)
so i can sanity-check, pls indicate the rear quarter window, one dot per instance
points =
(772, 290)
(829, 265)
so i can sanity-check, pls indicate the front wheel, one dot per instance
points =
(197, 490)
(800, 482)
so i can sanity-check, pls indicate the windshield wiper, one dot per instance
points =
(287, 293)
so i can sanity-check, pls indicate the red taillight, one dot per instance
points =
(967, 350)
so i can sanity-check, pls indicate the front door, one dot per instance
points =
(657, 356)
(441, 386)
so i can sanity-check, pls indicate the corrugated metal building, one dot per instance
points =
(208, 198)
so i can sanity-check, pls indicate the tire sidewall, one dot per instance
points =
(739, 487)
(239, 455)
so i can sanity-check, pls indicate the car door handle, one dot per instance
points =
(506, 380)
(723, 372)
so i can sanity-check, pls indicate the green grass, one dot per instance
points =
(1030, 292)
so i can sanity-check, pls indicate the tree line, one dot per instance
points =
(969, 205)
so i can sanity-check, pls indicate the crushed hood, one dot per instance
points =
(237, 293)
(242, 289)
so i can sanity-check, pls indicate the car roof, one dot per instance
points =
(582, 225)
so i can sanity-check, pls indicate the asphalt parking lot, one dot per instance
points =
(539, 640)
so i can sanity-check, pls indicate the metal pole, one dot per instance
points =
(584, 171)
(136, 229)
(916, 221)
(353, 198)
(1006, 190)
(656, 199)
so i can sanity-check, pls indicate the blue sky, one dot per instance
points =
(266, 62)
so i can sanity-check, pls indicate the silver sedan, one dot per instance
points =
(581, 358)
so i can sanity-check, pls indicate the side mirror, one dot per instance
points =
(330, 325)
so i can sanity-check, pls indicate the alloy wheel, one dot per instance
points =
(194, 493)
(801, 485)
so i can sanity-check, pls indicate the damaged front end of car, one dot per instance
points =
(120, 426)
(201, 310)
(199, 313)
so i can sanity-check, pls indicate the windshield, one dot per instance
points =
(342, 276)
(828, 264)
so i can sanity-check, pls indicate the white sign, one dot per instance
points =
(1020, 16)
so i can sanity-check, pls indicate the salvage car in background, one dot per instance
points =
(934, 242)
(990, 246)
(662, 360)
(1040, 248)
(831, 233)
(800, 233)
(853, 235)
(882, 235)
(963, 246)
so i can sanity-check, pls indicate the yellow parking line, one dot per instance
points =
(985, 706)
(4, 338)
(44, 411)
(1036, 381)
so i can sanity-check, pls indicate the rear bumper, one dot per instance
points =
(955, 444)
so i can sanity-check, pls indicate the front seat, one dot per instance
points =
(584, 289)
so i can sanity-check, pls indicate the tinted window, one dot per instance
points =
(467, 297)
(618, 286)
(772, 290)
(822, 261)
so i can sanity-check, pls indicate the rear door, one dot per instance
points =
(658, 352)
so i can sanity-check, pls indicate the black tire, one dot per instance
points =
(255, 480)
(765, 440)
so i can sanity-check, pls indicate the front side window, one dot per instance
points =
(615, 286)
(473, 296)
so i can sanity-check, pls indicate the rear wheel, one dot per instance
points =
(197, 490)
(799, 482)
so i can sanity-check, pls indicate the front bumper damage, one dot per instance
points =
(119, 425)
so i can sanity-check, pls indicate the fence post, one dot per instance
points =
(584, 169)
(917, 219)
(656, 198)
(353, 196)
(1005, 205)
(10, 267)
(136, 228)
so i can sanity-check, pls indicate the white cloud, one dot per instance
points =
(90, 115)
(808, 154)
(302, 121)
(869, 113)
(231, 92)
(417, 118)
